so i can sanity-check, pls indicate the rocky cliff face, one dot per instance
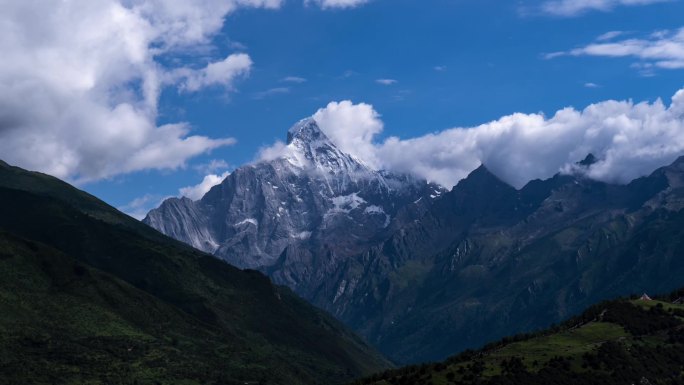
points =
(298, 216)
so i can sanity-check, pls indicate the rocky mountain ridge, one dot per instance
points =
(487, 260)
(424, 273)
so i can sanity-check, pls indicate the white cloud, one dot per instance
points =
(591, 85)
(386, 82)
(662, 49)
(271, 92)
(553, 55)
(352, 128)
(80, 82)
(221, 73)
(274, 151)
(212, 166)
(328, 4)
(197, 192)
(184, 23)
(645, 69)
(610, 35)
(569, 8)
(293, 79)
(630, 139)
(139, 207)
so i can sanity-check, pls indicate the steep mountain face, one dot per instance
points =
(89, 295)
(487, 260)
(299, 216)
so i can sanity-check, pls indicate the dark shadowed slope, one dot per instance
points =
(486, 260)
(89, 295)
(617, 342)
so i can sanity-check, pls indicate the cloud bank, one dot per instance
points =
(80, 81)
(630, 139)
(569, 8)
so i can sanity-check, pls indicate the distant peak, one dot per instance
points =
(679, 161)
(482, 169)
(482, 172)
(482, 175)
(306, 130)
(588, 161)
(481, 181)
(309, 146)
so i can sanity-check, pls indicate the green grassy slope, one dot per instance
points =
(617, 342)
(89, 295)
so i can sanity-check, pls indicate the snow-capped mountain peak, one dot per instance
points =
(306, 130)
(312, 201)
(309, 148)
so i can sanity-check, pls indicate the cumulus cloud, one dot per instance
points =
(327, 4)
(80, 82)
(629, 139)
(661, 49)
(569, 8)
(352, 128)
(197, 192)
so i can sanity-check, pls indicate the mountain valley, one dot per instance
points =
(89, 295)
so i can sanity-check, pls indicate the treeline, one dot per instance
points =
(613, 363)
(652, 354)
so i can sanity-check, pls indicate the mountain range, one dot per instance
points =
(422, 272)
(90, 295)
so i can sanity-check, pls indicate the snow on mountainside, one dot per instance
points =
(297, 216)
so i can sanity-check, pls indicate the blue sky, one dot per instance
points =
(444, 63)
